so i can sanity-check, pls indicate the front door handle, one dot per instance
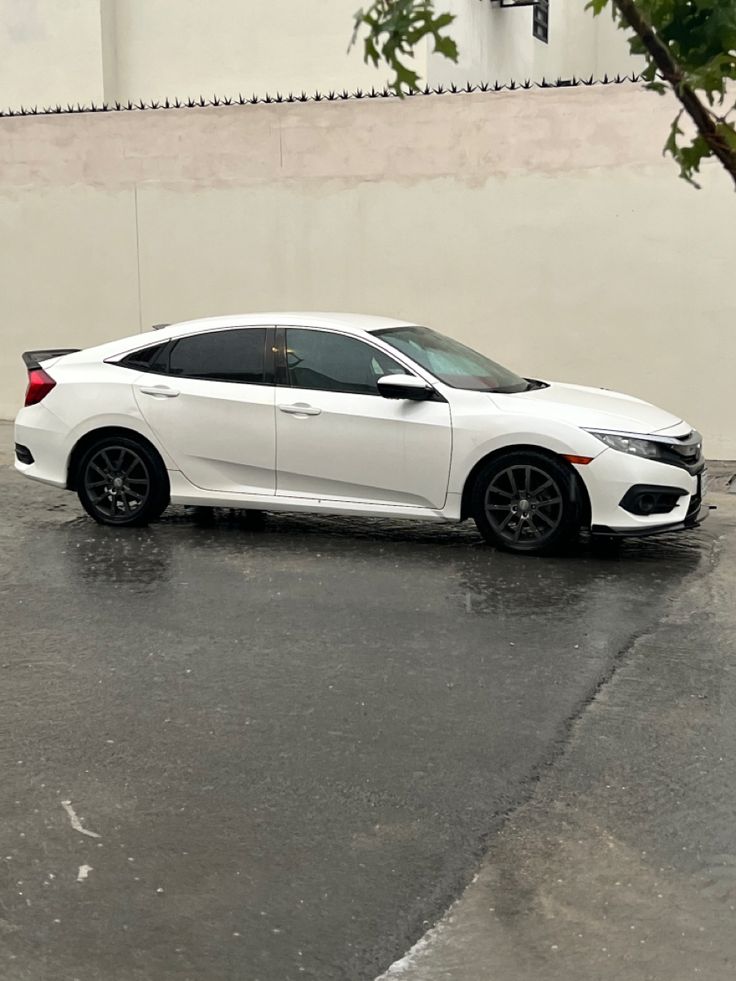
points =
(300, 409)
(160, 391)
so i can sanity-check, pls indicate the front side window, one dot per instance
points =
(331, 362)
(453, 363)
(221, 355)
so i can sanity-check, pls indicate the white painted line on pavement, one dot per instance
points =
(76, 823)
(84, 871)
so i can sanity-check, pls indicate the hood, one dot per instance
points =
(592, 408)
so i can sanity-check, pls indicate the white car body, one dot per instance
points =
(251, 445)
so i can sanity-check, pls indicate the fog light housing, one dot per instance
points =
(23, 454)
(645, 499)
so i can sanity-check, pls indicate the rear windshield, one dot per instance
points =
(452, 362)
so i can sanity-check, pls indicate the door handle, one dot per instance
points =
(160, 391)
(300, 409)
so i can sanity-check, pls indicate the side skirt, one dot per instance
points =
(183, 492)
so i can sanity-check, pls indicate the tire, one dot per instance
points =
(526, 502)
(122, 482)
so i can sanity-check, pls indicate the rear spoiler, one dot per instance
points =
(33, 359)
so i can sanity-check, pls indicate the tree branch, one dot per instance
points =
(698, 112)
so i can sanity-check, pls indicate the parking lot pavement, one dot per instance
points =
(293, 742)
(622, 865)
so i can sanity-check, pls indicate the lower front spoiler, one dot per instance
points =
(691, 521)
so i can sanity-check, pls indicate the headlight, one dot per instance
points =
(648, 448)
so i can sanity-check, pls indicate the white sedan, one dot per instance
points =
(346, 414)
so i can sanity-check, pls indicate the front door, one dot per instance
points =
(212, 407)
(338, 439)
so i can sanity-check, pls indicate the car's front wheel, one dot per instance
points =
(122, 482)
(526, 502)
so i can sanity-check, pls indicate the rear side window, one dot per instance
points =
(223, 355)
(149, 359)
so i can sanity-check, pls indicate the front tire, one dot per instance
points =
(122, 482)
(526, 502)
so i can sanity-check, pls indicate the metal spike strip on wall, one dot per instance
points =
(201, 102)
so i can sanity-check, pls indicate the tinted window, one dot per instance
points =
(149, 359)
(336, 363)
(221, 355)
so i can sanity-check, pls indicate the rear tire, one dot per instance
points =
(526, 502)
(122, 482)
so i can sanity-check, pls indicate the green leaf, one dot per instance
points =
(447, 47)
(597, 6)
(371, 52)
(394, 28)
(688, 156)
(675, 131)
(405, 77)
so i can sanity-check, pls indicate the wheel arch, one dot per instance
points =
(93, 436)
(578, 483)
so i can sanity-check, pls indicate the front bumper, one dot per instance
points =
(612, 473)
(697, 517)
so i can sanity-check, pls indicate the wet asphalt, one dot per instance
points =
(622, 864)
(294, 740)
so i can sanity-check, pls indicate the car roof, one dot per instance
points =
(352, 323)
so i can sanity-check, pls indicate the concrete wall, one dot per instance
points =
(544, 227)
(60, 51)
(50, 52)
(497, 44)
(189, 47)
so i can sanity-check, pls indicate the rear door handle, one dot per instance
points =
(300, 409)
(160, 391)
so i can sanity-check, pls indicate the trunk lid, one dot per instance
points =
(34, 359)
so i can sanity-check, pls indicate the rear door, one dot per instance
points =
(209, 397)
(338, 439)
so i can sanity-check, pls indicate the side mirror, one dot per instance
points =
(405, 387)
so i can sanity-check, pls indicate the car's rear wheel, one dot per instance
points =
(526, 502)
(122, 482)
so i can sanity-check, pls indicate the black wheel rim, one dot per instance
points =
(117, 483)
(524, 505)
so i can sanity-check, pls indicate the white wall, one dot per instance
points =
(544, 227)
(496, 44)
(50, 52)
(223, 47)
(60, 51)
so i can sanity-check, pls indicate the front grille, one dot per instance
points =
(685, 452)
(23, 454)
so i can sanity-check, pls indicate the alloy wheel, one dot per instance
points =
(117, 482)
(524, 505)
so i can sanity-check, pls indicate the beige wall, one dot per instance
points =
(543, 227)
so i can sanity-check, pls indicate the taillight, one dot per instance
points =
(39, 386)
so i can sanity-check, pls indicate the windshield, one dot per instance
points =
(452, 362)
